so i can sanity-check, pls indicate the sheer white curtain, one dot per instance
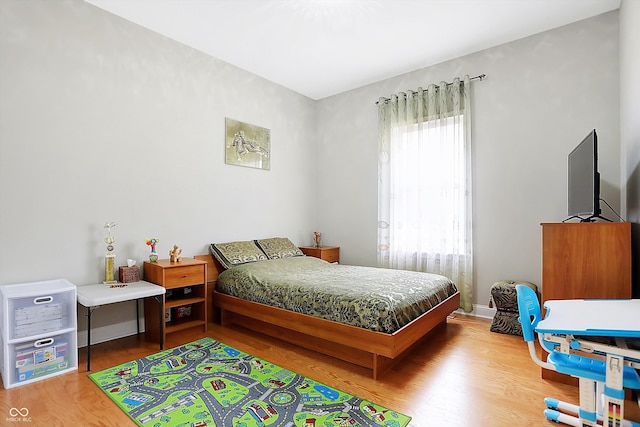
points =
(424, 183)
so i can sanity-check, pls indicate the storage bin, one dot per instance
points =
(40, 314)
(43, 357)
(38, 336)
(38, 308)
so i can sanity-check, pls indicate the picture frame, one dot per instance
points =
(247, 145)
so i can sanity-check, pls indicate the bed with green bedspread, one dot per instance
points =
(376, 299)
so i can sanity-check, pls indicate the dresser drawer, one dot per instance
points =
(184, 276)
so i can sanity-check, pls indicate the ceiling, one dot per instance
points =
(323, 47)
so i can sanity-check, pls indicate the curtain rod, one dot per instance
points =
(480, 77)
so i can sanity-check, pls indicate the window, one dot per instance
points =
(424, 184)
(426, 189)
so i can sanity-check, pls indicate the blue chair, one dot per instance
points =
(591, 373)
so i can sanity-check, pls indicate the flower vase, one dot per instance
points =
(153, 256)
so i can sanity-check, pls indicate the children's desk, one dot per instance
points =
(571, 323)
(93, 296)
(610, 317)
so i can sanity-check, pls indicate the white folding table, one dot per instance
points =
(93, 296)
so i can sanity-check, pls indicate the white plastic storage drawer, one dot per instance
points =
(34, 309)
(30, 361)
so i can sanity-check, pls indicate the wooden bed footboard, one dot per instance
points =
(373, 350)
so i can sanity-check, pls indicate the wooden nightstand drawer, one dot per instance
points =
(183, 276)
(331, 256)
(327, 253)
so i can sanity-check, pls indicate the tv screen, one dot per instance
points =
(584, 179)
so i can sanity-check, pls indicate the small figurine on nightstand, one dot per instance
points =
(153, 256)
(174, 254)
(317, 236)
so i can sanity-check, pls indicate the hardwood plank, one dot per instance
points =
(462, 375)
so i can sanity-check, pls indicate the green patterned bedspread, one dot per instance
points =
(378, 299)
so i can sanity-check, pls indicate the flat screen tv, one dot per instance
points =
(584, 180)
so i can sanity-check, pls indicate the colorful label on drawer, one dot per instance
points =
(44, 355)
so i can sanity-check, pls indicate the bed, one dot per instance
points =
(367, 316)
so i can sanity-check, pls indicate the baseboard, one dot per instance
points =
(110, 332)
(127, 328)
(483, 311)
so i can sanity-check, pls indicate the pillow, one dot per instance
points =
(278, 247)
(236, 253)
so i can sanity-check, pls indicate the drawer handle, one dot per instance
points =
(43, 342)
(43, 300)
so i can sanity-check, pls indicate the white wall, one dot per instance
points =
(543, 94)
(629, 123)
(103, 120)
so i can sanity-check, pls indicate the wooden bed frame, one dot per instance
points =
(377, 351)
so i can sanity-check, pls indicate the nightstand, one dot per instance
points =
(185, 301)
(327, 253)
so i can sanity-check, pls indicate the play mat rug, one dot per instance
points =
(207, 383)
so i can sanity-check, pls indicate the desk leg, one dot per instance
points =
(614, 392)
(138, 316)
(160, 299)
(89, 311)
(588, 402)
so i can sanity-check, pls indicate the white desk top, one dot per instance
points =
(95, 295)
(611, 317)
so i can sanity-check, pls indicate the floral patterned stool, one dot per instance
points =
(503, 296)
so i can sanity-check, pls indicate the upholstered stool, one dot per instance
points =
(503, 295)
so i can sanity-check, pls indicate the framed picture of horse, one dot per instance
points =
(247, 145)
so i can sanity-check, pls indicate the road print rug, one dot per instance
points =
(207, 383)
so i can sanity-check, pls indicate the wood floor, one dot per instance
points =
(463, 375)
